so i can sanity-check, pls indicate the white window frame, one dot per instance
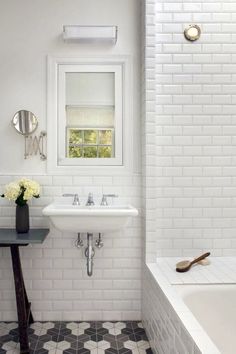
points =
(56, 117)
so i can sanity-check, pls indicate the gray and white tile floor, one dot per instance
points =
(78, 338)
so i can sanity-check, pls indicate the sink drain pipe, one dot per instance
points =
(89, 250)
(89, 254)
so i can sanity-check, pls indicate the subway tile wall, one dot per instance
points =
(165, 331)
(55, 272)
(193, 151)
(148, 130)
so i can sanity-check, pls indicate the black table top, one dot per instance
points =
(11, 237)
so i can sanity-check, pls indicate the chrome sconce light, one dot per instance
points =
(192, 33)
(90, 34)
(26, 123)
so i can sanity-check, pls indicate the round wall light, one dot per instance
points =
(192, 32)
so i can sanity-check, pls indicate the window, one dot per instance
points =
(90, 128)
(90, 143)
(88, 123)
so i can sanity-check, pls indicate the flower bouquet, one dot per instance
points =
(21, 192)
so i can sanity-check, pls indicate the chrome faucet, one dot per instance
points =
(76, 198)
(90, 199)
(105, 196)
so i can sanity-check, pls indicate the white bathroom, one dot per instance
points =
(118, 177)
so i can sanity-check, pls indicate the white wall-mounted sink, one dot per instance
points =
(76, 218)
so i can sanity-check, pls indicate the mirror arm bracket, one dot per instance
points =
(35, 145)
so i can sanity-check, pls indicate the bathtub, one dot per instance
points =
(214, 307)
(188, 319)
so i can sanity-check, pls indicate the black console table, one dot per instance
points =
(10, 238)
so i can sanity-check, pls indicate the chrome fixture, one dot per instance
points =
(105, 196)
(192, 33)
(99, 242)
(26, 123)
(76, 198)
(90, 200)
(79, 242)
(89, 254)
(88, 34)
(89, 250)
(35, 145)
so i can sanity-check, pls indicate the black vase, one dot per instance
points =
(22, 219)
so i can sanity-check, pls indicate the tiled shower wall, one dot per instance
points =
(55, 272)
(195, 126)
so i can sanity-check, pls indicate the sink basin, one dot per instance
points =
(76, 218)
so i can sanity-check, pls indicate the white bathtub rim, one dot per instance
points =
(192, 326)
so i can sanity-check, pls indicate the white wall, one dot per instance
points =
(35, 31)
(193, 153)
(55, 273)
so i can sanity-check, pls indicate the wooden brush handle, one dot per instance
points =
(200, 258)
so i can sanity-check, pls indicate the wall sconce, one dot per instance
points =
(88, 34)
(26, 123)
(192, 33)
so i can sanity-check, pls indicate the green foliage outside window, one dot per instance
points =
(90, 151)
(75, 151)
(76, 136)
(90, 136)
(105, 137)
(104, 151)
(90, 143)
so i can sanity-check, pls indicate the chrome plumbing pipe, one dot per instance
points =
(79, 242)
(99, 242)
(89, 254)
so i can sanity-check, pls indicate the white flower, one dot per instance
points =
(12, 191)
(22, 190)
(32, 188)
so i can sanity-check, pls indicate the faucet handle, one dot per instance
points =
(90, 200)
(76, 198)
(105, 196)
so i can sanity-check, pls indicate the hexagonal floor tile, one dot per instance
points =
(71, 338)
(84, 325)
(11, 325)
(63, 345)
(77, 345)
(114, 331)
(77, 331)
(3, 331)
(83, 351)
(70, 351)
(50, 345)
(119, 325)
(143, 344)
(90, 344)
(72, 325)
(78, 338)
(13, 351)
(10, 345)
(108, 325)
(103, 344)
(83, 338)
(129, 344)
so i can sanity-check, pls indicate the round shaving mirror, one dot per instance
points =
(192, 33)
(25, 122)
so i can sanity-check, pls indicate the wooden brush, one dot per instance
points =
(184, 266)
